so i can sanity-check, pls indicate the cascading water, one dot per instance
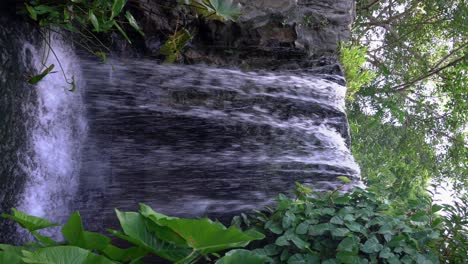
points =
(194, 140)
(47, 127)
(187, 140)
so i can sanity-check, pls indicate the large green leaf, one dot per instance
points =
(303, 259)
(243, 256)
(207, 236)
(372, 245)
(349, 244)
(124, 255)
(64, 255)
(31, 223)
(75, 234)
(10, 257)
(143, 232)
(162, 232)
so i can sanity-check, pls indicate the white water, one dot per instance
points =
(58, 130)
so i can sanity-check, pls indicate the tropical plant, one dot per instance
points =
(85, 18)
(178, 240)
(355, 227)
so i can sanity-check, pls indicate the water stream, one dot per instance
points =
(187, 140)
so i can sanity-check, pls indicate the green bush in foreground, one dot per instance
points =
(347, 228)
(331, 227)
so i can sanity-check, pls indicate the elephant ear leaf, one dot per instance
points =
(64, 254)
(29, 222)
(243, 256)
(207, 236)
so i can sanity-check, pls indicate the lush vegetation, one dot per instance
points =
(409, 122)
(331, 227)
(406, 71)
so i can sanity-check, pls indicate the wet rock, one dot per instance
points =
(269, 33)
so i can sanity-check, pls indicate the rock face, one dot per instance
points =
(269, 34)
(314, 25)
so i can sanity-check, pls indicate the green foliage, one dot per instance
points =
(353, 58)
(78, 16)
(215, 9)
(454, 246)
(175, 239)
(221, 10)
(83, 18)
(237, 256)
(418, 50)
(174, 45)
(396, 160)
(354, 227)
(330, 227)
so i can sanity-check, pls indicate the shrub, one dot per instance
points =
(352, 227)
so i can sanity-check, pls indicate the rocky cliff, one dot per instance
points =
(269, 33)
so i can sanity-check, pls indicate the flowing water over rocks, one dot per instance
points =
(187, 140)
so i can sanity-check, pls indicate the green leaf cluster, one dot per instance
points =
(353, 227)
(353, 58)
(221, 10)
(178, 240)
(79, 15)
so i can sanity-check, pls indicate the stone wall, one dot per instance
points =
(269, 33)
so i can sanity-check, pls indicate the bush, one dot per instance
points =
(352, 227)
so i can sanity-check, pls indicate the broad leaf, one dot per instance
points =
(349, 244)
(31, 223)
(243, 256)
(64, 255)
(143, 232)
(303, 259)
(372, 245)
(75, 234)
(207, 236)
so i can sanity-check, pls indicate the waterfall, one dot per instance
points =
(43, 126)
(58, 129)
(187, 140)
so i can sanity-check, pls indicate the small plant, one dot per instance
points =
(221, 10)
(353, 58)
(85, 18)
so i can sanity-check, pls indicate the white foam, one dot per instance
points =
(58, 130)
